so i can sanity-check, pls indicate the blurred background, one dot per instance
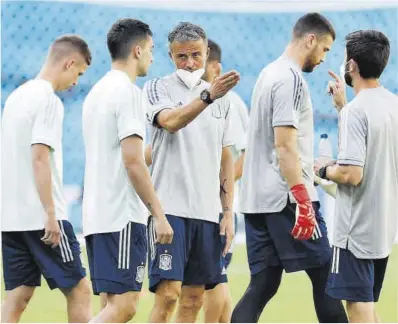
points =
(251, 35)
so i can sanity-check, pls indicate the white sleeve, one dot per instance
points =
(287, 95)
(158, 98)
(47, 125)
(240, 121)
(352, 137)
(228, 136)
(128, 116)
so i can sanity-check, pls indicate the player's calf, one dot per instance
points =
(190, 303)
(166, 297)
(15, 303)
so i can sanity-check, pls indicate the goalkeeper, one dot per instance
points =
(284, 229)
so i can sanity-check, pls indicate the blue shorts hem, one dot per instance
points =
(295, 265)
(112, 287)
(351, 294)
(66, 282)
(13, 285)
(154, 281)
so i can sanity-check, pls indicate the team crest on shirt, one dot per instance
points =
(165, 262)
(216, 110)
(139, 277)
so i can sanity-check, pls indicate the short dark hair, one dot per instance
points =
(65, 43)
(123, 34)
(185, 32)
(370, 49)
(215, 51)
(313, 23)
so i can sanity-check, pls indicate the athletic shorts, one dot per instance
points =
(353, 279)
(26, 257)
(117, 259)
(194, 257)
(269, 242)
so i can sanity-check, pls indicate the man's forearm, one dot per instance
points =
(340, 174)
(238, 167)
(175, 119)
(42, 175)
(290, 166)
(227, 182)
(140, 178)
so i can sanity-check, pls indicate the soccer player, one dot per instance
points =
(217, 303)
(284, 230)
(366, 174)
(191, 134)
(118, 191)
(37, 238)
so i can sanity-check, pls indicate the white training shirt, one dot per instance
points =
(281, 97)
(33, 114)
(114, 109)
(366, 218)
(186, 164)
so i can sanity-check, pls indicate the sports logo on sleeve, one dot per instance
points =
(165, 262)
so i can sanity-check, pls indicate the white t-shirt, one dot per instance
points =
(366, 218)
(281, 97)
(186, 164)
(33, 114)
(114, 109)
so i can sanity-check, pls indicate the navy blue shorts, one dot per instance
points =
(26, 258)
(269, 242)
(194, 257)
(353, 279)
(117, 259)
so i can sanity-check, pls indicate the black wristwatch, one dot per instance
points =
(322, 172)
(205, 96)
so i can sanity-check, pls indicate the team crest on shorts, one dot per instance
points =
(165, 262)
(223, 271)
(139, 277)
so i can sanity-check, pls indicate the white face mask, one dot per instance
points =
(342, 71)
(191, 79)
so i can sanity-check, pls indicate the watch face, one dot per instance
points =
(203, 95)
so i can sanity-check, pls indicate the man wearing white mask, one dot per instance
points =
(366, 175)
(191, 166)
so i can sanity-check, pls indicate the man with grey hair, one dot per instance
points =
(191, 166)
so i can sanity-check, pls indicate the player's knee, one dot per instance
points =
(21, 300)
(128, 309)
(192, 300)
(265, 284)
(124, 306)
(168, 293)
(80, 292)
(360, 312)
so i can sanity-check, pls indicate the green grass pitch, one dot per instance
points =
(293, 302)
